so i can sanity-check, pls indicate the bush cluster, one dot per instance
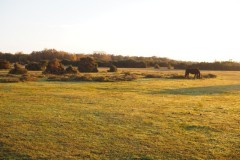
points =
(85, 64)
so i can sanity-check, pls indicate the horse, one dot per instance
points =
(194, 71)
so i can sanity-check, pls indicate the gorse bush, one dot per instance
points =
(5, 64)
(87, 64)
(112, 68)
(54, 67)
(18, 69)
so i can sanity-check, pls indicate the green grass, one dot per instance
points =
(141, 119)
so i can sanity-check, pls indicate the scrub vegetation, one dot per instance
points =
(154, 116)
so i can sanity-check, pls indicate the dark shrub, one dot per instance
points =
(112, 68)
(87, 64)
(34, 67)
(5, 64)
(17, 70)
(71, 70)
(54, 67)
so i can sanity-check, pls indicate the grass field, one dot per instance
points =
(142, 119)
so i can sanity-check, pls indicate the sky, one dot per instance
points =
(191, 30)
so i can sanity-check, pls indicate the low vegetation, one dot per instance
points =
(94, 78)
(176, 76)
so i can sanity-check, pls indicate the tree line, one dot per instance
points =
(105, 60)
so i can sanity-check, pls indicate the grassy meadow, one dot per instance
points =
(148, 118)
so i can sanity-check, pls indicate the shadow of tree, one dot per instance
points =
(6, 153)
(200, 90)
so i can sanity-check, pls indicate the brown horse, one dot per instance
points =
(194, 71)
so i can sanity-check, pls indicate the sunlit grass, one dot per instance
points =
(141, 119)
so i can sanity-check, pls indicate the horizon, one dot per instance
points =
(198, 31)
(103, 52)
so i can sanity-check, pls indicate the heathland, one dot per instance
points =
(146, 118)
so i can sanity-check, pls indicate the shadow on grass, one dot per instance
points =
(200, 90)
(6, 153)
(199, 128)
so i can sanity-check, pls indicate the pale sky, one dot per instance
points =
(197, 30)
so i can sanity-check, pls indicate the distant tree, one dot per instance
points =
(4, 64)
(34, 66)
(129, 63)
(87, 64)
(180, 65)
(20, 57)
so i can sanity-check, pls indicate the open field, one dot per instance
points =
(142, 119)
